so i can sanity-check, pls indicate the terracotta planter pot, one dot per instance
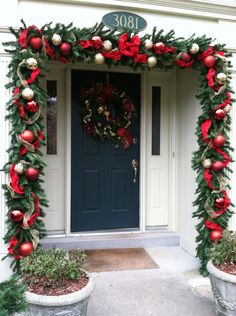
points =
(224, 290)
(73, 304)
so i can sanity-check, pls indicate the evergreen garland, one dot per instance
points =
(98, 45)
(12, 296)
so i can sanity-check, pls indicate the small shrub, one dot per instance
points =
(225, 250)
(53, 266)
(12, 298)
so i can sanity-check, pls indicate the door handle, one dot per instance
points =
(135, 167)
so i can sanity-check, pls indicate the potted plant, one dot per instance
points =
(12, 296)
(222, 270)
(56, 283)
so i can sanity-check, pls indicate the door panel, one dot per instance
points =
(103, 194)
(54, 152)
(157, 156)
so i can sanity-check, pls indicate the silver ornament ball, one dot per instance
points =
(206, 163)
(194, 49)
(152, 61)
(56, 39)
(31, 63)
(148, 44)
(107, 45)
(19, 168)
(99, 59)
(27, 94)
(221, 78)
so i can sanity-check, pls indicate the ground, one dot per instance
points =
(172, 290)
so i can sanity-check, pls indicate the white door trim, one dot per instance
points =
(173, 142)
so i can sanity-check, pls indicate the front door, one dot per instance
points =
(103, 192)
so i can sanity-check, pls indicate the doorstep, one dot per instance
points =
(114, 240)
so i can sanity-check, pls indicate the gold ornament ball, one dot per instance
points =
(56, 39)
(27, 94)
(148, 44)
(221, 78)
(99, 59)
(31, 63)
(227, 108)
(100, 109)
(152, 61)
(107, 45)
(206, 163)
(19, 168)
(194, 49)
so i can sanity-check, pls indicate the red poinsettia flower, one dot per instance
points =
(85, 43)
(114, 55)
(121, 132)
(128, 106)
(89, 128)
(128, 48)
(141, 58)
(108, 90)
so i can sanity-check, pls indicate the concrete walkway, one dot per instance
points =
(175, 289)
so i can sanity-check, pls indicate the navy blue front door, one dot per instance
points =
(103, 194)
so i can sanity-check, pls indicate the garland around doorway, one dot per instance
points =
(98, 45)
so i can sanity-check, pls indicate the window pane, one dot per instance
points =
(52, 117)
(156, 115)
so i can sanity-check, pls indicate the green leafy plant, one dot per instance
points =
(12, 297)
(53, 266)
(225, 250)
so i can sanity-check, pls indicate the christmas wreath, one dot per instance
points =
(107, 113)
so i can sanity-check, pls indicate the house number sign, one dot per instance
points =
(124, 20)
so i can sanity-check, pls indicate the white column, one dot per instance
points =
(5, 270)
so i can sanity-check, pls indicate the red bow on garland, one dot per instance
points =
(212, 225)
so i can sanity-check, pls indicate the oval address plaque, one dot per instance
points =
(124, 20)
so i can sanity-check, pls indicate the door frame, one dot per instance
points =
(171, 76)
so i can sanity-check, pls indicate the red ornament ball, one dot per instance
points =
(219, 202)
(97, 42)
(219, 114)
(16, 215)
(32, 106)
(65, 49)
(219, 140)
(27, 135)
(215, 235)
(25, 249)
(217, 166)
(209, 61)
(185, 57)
(35, 43)
(32, 173)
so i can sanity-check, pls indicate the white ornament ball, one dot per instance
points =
(206, 163)
(227, 108)
(152, 61)
(99, 59)
(31, 63)
(107, 45)
(19, 168)
(148, 44)
(194, 49)
(221, 78)
(56, 39)
(27, 94)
